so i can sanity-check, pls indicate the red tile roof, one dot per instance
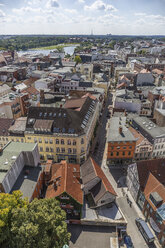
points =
(66, 178)
(153, 185)
(31, 90)
(29, 81)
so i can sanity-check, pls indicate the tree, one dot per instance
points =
(8, 202)
(41, 225)
(77, 59)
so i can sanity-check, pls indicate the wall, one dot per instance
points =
(119, 147)
(88, 186)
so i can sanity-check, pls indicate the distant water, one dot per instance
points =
(68, 49)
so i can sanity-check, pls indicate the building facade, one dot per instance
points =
(121, 142)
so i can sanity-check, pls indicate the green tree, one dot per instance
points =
(8, 202)
(77, 59)
(41, 225)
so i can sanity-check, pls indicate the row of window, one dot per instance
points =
(159, 140)
(62, 150)
(159, 146)
(117, 153)
(158, 153)
(57, 141)
(121, 147)
(4, 139)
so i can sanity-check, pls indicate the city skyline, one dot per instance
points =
(81, 16)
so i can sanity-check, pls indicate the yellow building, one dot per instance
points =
(61, 134)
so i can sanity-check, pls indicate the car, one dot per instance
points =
(128, 241)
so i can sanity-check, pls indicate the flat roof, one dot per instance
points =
(150, 127)
(27, 180)
(10, 154)
(113, 131)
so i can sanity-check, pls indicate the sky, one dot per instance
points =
(118, 17)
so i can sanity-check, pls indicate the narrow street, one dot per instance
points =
(101, 132)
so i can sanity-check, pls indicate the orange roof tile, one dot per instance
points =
(66, 179)
(153, 185)
(137, 136)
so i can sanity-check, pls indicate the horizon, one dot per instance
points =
(82, 17)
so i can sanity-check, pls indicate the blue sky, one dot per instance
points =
(132, 17)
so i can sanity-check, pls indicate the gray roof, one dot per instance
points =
(10, 154)
(113, 131)
(144, 79)
(27, 180)
(149, 127)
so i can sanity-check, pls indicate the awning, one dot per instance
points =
(154, 226)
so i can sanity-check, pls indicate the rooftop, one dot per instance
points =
(150, 127)
(5, 124)
(114, 134)
(27, 180)
(10, 153)
(65, 177)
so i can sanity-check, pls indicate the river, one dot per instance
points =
(68, 49)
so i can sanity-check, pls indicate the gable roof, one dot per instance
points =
(155, 166)
(90, 170)
(65, 178)
(153, 185)
(140, 138)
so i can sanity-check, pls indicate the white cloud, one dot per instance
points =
(81, 1)
(2, 14)
(26, 10)
(100, 5)
(71, 11)
(52, 4)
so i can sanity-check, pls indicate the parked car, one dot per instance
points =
(128, 241)
(145, 230)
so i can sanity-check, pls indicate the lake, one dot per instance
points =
(68, 49)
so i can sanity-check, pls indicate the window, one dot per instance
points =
(123, 153)
(57, 141)
(62, 142)
(112, 147)
(51, 149)
(82, 150)
(124, 147)
(82, 141)
(117, 153)
(22, 140)
(74, 142)
(57, 149)
(46, 141)
(47, 149)
(102, 201)
(29, 138)
(6, 139)
(74, 151)
(63, 150)
(129, 153)
(69, 142)
(130, 147)
(40, 141)
(69, 150)
(118, 147)
(51, 141)
(41, 149)
(111, 153)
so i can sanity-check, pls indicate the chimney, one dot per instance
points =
(120, 130)
(42, 97)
